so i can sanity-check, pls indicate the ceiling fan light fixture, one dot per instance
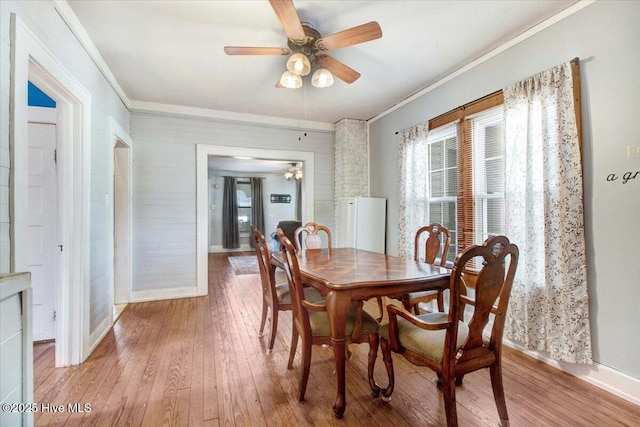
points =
(299, 64)
(322, 78)
(291, 80)
(294, 171)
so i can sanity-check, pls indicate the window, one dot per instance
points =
(244, 205)
(487, 139)
(443, 179)
(466, 172)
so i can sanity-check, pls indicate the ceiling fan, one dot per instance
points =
(307, 47)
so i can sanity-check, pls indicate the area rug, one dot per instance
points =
(244, 264)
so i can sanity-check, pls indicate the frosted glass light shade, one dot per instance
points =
(290, 80)
(322, 78)
(299, 64)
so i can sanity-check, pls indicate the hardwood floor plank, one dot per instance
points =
(162, 404)
(196, 389)
(199, 362)
(151, 368)
(120, 400)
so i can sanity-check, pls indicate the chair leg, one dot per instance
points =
(294, 345)
(306, 366)
(440, 299)
(498, 392)
(381, 309)
(416, 308)
(449, 395)
(263, 320)
(388, 362)
(373, 354)
(274, 328)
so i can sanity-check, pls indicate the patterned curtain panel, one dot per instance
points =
(412, 171)
(549, 306)
(257, 206)
(230, 226)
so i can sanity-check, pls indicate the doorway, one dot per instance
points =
(203, 152)
(43, 221)
(121, 227)
(33, 62)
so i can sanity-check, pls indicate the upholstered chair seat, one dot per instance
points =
(320, 323)
(284, 295)
(429, 344)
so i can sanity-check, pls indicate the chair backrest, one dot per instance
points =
(308, 234)
(264, 261)
(300, 315)
(437, 237)
(492, 291)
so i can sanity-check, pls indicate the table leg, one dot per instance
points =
(338, 305)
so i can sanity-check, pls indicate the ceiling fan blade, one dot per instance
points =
(338, 69)
(239, 50)
(360, 34)
(288, 17)
(278, 85)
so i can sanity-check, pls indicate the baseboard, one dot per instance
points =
(101, 331)
(218, 248)
(160, 294)
(615, 382)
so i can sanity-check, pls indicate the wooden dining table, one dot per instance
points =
(345, 275)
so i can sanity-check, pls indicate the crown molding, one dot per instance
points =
(229, 116)
(77, 29)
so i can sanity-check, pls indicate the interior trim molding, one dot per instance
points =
(101, 331)
(601, 376)
(484, 58)
(230, 116)
(161, 294)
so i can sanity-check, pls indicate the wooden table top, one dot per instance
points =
(341, 268)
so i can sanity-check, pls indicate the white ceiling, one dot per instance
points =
(171, 52)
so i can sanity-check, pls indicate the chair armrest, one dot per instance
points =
(394, 312)
(397, 311)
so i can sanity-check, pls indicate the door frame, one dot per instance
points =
(121, 288)
(203, 152)
(31, 60)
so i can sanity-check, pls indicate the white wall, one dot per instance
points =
(47, 25)
(164, 194)
(604, 36)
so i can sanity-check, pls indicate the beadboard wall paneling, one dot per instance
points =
(164, 187)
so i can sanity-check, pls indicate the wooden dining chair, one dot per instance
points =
(311, 323)
(307, 236)
(437, 238)
(453, 344)
(275, 297)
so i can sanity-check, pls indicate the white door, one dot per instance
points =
(42, 245)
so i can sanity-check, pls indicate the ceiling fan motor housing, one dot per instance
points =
(309, 47)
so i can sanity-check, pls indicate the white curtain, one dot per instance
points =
(549, 307)
(412, 167)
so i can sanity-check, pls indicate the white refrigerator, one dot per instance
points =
(361, 223)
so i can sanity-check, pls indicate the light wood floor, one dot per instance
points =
(199, 361)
